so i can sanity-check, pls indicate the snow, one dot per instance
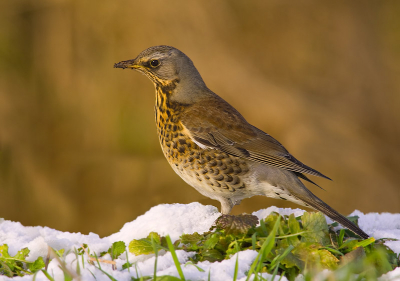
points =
(172, 219)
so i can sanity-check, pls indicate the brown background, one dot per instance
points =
(78, 145)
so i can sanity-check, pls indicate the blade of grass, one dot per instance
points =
(47, 275)
(365, 242)
(332, 250)
(97, 259)
(275, 271)
(63, 266)
(348, 241)
(196, 266)
(270, 244)
(277, 260)
(137, 273)
(291, 235)
(106, 273)
(67, 277)
(92, 274)
(341, 236)
(175, 258)
(78, 267)
(254, 240)
(263, 227)
(155, 249)
(127, 260)
(236, 267)
(265, 249)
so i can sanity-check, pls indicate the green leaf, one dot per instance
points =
(117, 249)
(226, 243)
(270, 221)
(212, 241)
(9, 266)
(36, 265)
(5, 269)
(233, 248)
(155, 236)
(313, 254)
(353, 219)
(294, 225)
(167, 278)
(316, 228)
(290, 260)
(59, 253)
(278, 258)
(191, 239)
(382, 259)
(141, 247)
(126, 265)
(298, 245)
(146, 246)
(15, 266)
(212, 255)
(4, 251)
(81, 250)
(22, 254)
(328, 260)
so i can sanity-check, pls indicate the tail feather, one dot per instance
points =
(319, 205)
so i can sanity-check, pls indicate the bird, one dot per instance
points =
(212, 147)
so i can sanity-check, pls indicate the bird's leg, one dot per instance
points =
(226, 205)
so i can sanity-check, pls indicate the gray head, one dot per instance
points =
(165, 65)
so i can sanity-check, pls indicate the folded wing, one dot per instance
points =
(232, 134)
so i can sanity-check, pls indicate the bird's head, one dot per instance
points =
(165, 65)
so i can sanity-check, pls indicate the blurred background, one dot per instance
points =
(78, 144)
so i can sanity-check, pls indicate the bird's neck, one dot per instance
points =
(165, 105)
(180, 91)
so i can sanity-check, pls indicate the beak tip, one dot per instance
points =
(125, 64)
(119, 65)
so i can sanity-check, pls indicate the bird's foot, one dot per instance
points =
(239, 224)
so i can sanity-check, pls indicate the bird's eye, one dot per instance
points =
(155, 63)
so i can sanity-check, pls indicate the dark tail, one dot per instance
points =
(319, 205)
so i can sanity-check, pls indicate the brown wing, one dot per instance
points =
(216, 124)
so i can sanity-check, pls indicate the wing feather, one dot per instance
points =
(231, 133)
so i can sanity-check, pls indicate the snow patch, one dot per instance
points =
(172, 219)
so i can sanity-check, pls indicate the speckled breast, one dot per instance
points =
(210, 171)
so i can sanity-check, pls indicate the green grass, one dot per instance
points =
(286, 246)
